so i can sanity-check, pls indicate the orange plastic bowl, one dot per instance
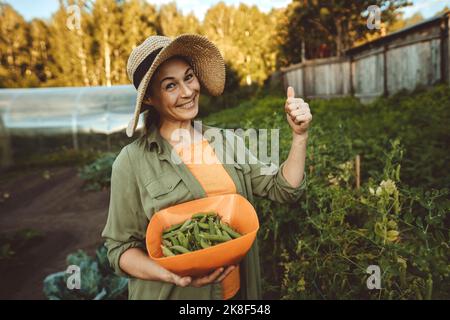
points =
(233, 209)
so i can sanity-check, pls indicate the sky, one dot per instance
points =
(30, 9)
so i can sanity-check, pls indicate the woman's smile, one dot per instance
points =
(187, 105)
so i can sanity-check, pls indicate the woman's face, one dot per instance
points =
(174, 91)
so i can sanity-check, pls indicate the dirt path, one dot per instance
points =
(68, 219)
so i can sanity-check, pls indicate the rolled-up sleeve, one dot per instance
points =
(268, 181)
(126, 224)
(275, 187)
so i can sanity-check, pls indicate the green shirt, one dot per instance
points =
(145, 180)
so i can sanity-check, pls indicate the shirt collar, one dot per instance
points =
(156, 139)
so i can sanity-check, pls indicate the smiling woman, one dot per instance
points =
(168, 75)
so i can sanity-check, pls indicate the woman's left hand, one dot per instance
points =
(297, 113)
(217, 276)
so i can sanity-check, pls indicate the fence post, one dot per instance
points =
(444, 49)
(358, 173)
(385, 72)
(352, 89)
(303, 73)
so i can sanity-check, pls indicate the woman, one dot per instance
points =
(168, 75)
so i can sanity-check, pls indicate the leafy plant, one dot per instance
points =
(98, 173)
(321, 246)
(98, 282)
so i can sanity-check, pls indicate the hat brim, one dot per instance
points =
(205, 58)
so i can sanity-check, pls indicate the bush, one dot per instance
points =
(98, 282)
(98, 174)
(326, 245)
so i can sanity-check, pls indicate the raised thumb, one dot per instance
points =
(290, 92)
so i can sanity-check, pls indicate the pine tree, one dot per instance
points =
(14, 46)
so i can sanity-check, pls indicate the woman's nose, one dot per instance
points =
(186, 92)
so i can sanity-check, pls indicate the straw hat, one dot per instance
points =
(203, 55)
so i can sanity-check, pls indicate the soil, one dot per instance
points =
(54, 206)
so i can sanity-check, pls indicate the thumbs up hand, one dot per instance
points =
(297, 113)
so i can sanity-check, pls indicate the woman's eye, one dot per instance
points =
(172, 85)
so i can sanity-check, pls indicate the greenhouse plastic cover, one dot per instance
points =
(67, 109)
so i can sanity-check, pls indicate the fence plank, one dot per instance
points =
(416, 56)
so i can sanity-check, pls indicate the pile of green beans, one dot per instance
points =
(201, 231)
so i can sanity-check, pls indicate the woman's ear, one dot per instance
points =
(147, 100)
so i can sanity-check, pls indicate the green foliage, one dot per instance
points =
(49, 53)
(62, 157)
(328, 28)
(420, 120)
(245, 36)
(98, 174)
(338, 232)
(98, 282)
(232, 96)
(320, 247)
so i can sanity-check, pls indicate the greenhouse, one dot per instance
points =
(71, 117)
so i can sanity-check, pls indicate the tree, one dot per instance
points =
(172, 22)
(138, 21)
(244, 36)
(335, 24)
(14, 48)
(401, 23)
(40, 56)
(95, 52)
(70, 47)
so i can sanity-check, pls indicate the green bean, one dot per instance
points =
(190, 240)
(180, 249)
(204, 244)
(211, 226)
(172, 228)
(170, 234)
(182, 240)
(167, 243)
(226, 235)
(204, 226)
(174, 241)
(196, 232)
(214, 237)
(185, 225)
(230, 231)
(217, 230)
(166, 251)
(198, 216)
(186, 242)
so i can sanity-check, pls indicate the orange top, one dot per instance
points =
(215, 180)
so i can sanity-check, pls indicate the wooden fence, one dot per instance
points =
(415, 56)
